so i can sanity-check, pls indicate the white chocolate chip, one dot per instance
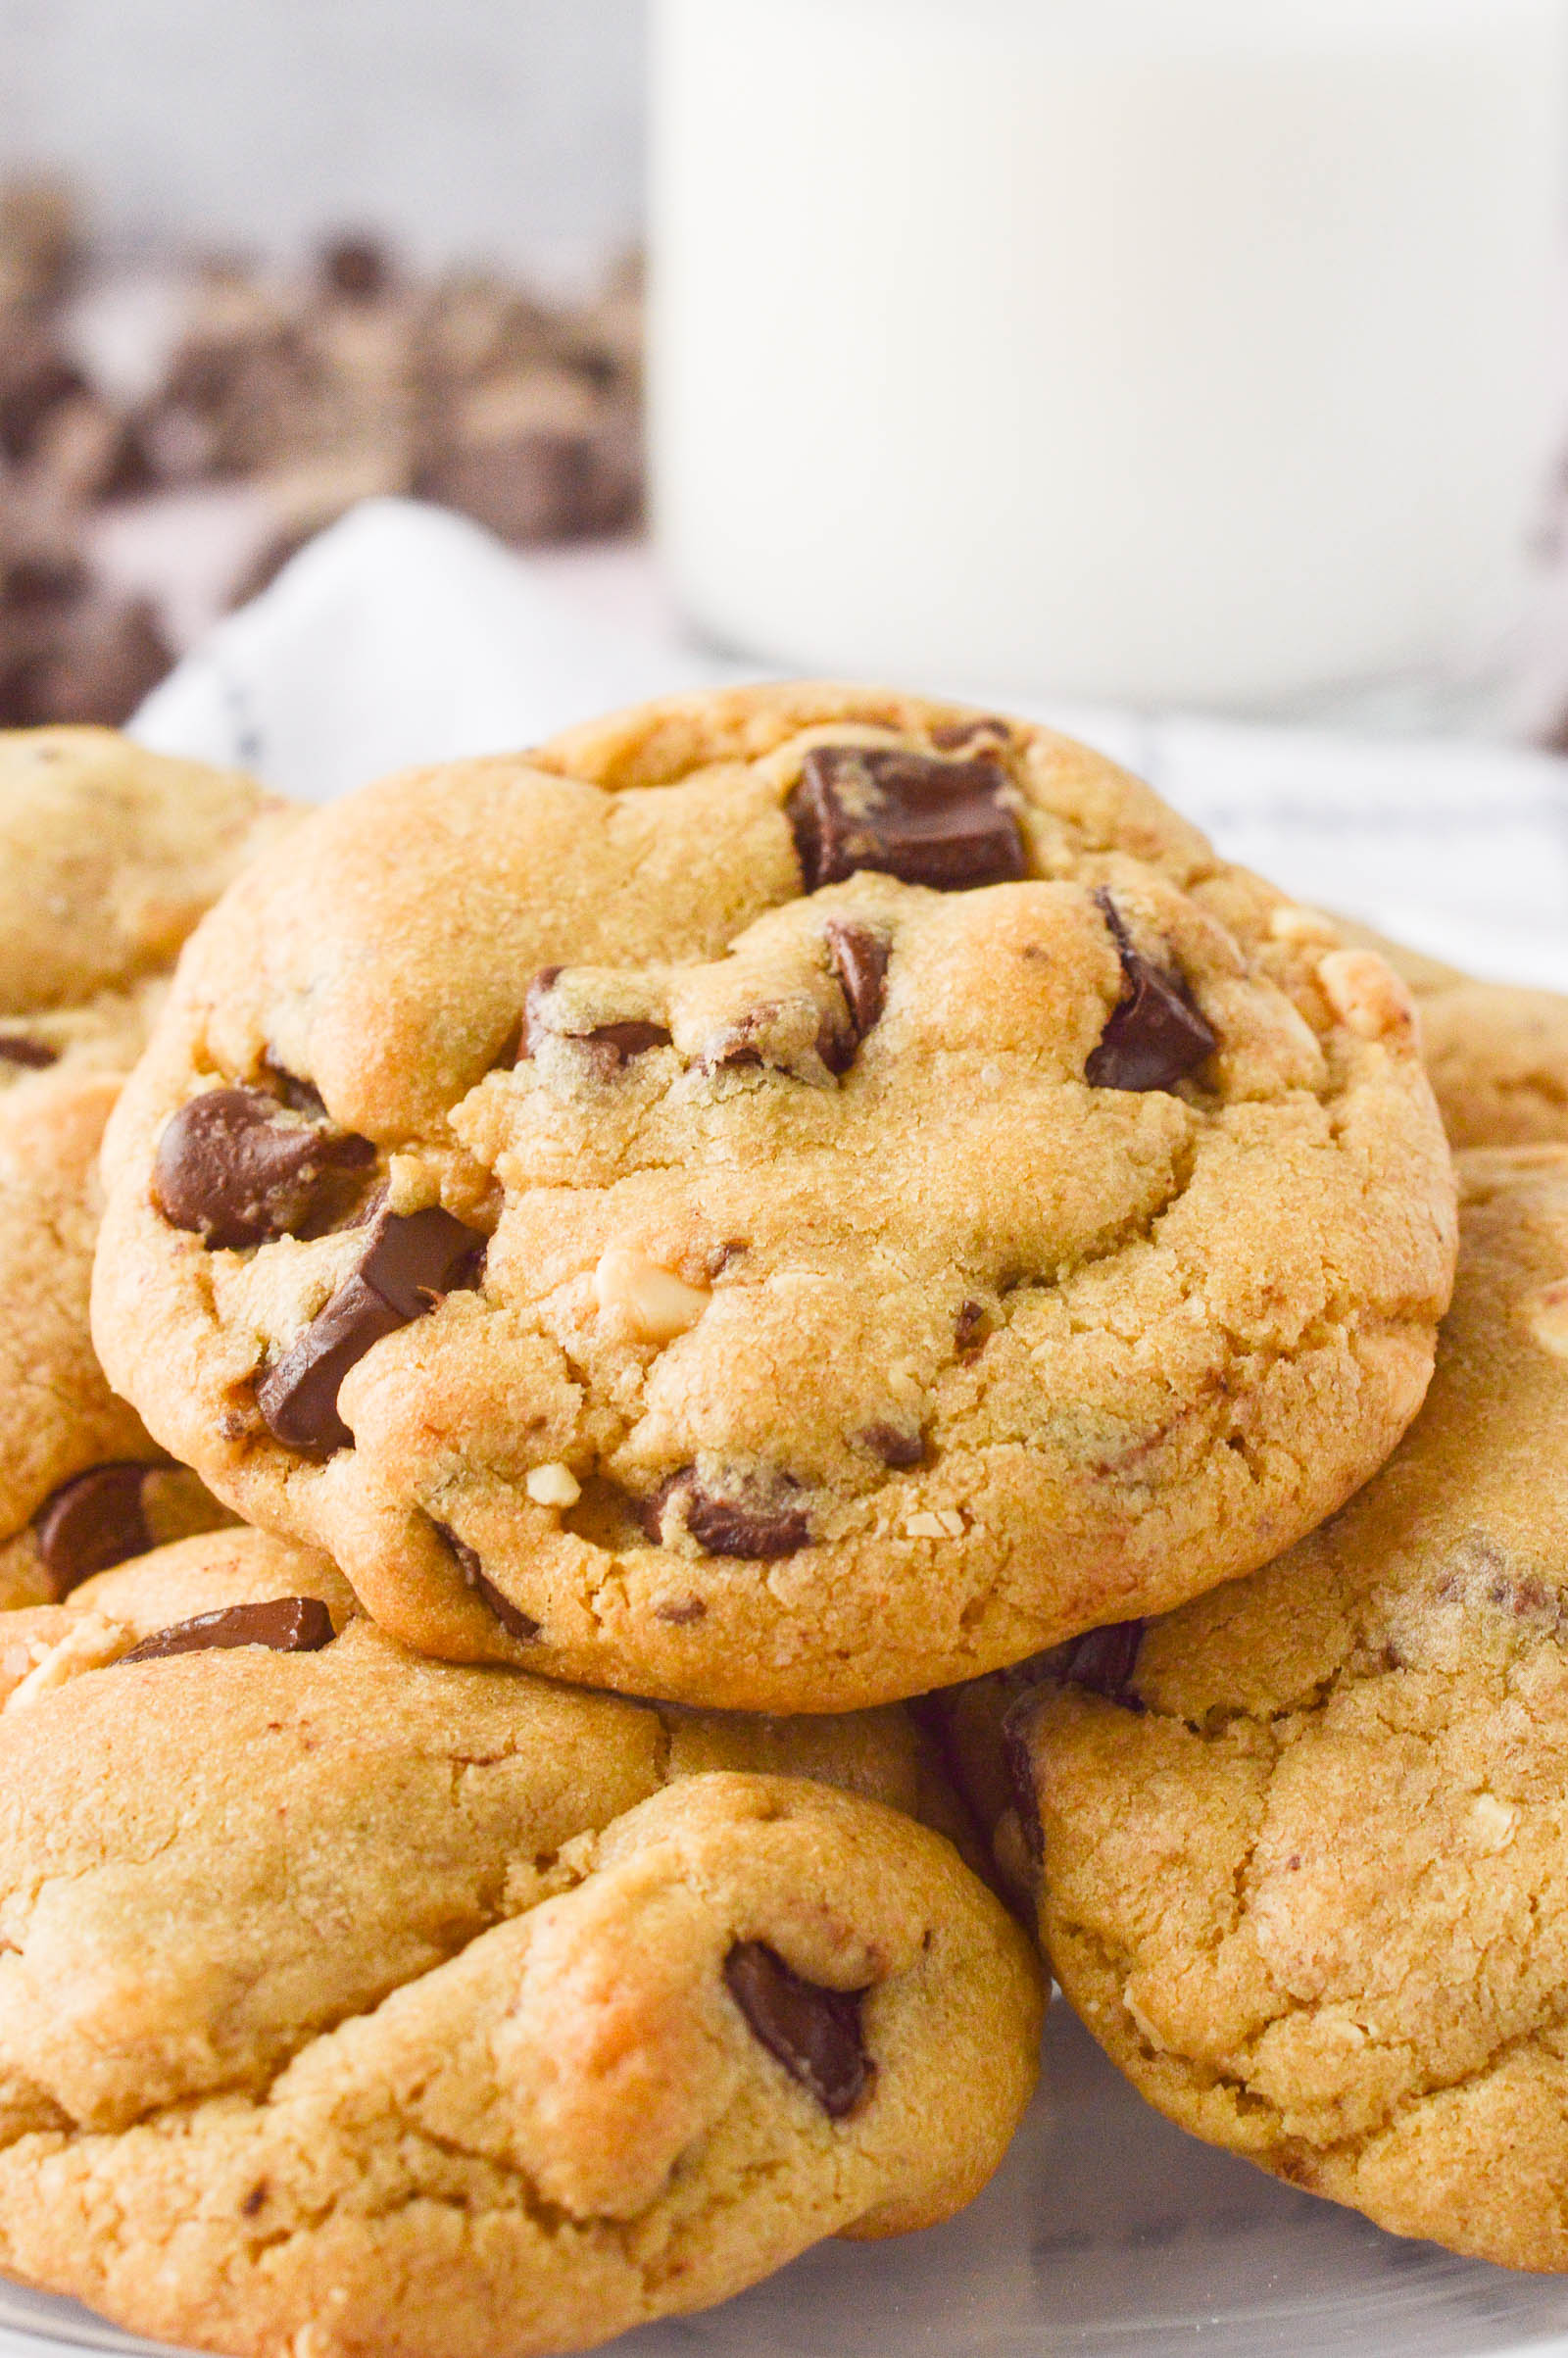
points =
(651, 1303)
(1547, 1316)
(1492, 1821)
(1366, 994)
(1291, 923)
(93, 1642)
(553, 1485)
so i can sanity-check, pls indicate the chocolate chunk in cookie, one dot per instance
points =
(230, 1171)
(946, 825)
(517, 1623)
(28, 1054)
(860, 960)
(410, 1262)
(751, 1523)
(814, 2033)
(285, 1625)
(93, 1522)
(1156, 1035)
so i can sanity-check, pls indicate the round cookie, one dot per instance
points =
(1305, 1863)
(351, 2001)
(849, 1191)
(81, 1484)
(1497, 1054)
(107, 855)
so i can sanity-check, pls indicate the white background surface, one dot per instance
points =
(504, 129)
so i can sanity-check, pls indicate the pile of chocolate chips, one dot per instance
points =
(314, 393)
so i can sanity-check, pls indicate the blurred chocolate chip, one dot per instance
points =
(1156, 1035)
(941, 823)
(894, 1446)
(814, 2033)
(411, 1261)
(860, 962)
(357, 268)
(90, 1523)
(616, 1044)
(34, 1056)
(285, 1625)
(755, 1527)
(230, 1171)
(970, 1328)
(1105, 1661)
(682, 1613)
(517, 1623)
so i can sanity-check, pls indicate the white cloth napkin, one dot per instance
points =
(406, 635)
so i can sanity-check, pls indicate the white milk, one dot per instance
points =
(1165, 350)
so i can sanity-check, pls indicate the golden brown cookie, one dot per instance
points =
(349, 2001)
(781, 1200)
(107, 855)
(1497, 1054)
(1305, 1865)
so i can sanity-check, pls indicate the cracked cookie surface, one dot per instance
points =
(857, 1191)
(353, 2001)
(1305, 1871)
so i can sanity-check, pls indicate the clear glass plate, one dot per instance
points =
(1107, 2231)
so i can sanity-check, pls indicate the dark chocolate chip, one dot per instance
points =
(90, 1523)
(1019, 1764)
(682, 1613)
(19, 1047)
(895, 1445)
(1156, 1035)
(754, 1528)
(730, 1526)
(1105, 1661)
(357, 267)
(230, 1171)
(517, 1623)
(815, 2033)
(299, 1097)
(287, 1625)
(860, 962)
(927, 822)
(255, 2200)
(410, 1262)
(616, 1044)
(970, 1328)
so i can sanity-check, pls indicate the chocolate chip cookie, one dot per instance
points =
(1497, 1054)
(351, 2001)
(81, 1484)
(107, 855)
(778, 1199)
(1305, 1873)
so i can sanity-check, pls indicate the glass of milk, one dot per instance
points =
(1157, 351)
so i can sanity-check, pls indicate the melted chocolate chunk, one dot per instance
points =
(970, 1328)
(411, 1261)
(1105, 1661)
(20, 1049)
(754, 1528)
(92, 1523)
(1156, 1035)
(941, 823)
(816, 2034)
(517, 1623)
(616, 1044)
(894, 1446)
(230, 1171)
(287, 1625)
(860, 962)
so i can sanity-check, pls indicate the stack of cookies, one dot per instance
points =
(668, 1311)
